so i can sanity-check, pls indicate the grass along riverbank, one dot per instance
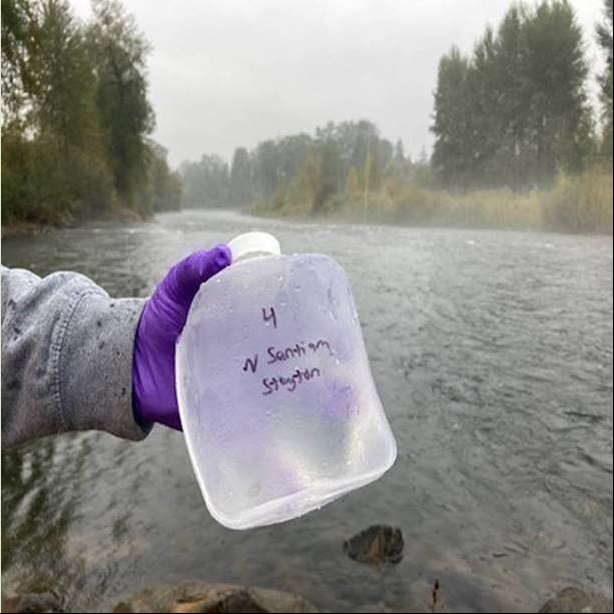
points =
(581, 203)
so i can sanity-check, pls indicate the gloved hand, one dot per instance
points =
(153, 372)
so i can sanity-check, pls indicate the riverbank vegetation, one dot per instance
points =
(76, 118)
(517, 144)
(574, 204)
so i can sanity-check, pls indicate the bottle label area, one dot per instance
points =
(268, 365)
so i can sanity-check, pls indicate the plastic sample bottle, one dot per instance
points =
(277, 401)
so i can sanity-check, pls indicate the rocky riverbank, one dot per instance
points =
(203, 597)
(379, 546)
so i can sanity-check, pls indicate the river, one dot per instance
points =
(492, 354)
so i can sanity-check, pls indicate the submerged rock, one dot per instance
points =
(573, 599)
(378, 545)
(188, 598)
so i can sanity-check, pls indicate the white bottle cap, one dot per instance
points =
(252, 244)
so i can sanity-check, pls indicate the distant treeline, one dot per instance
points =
(511, 119)
(76, 119)
(294, 169)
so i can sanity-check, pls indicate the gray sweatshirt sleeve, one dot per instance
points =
(66, 357)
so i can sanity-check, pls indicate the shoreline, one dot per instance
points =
(427, 225)
(13, 230)
(17, 229)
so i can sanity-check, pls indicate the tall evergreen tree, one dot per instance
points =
(451, 158)
(240, 178)
(120, 53)
(20, 38)
(65, 103)
(604, 38)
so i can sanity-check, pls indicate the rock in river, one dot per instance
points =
(378, 545)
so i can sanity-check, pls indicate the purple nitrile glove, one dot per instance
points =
(153, 369)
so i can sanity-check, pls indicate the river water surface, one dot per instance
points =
(492, 353)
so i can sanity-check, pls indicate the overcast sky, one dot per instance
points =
(226, 73)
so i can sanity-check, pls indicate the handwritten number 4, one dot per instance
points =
(270, 316)
(251, 364)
